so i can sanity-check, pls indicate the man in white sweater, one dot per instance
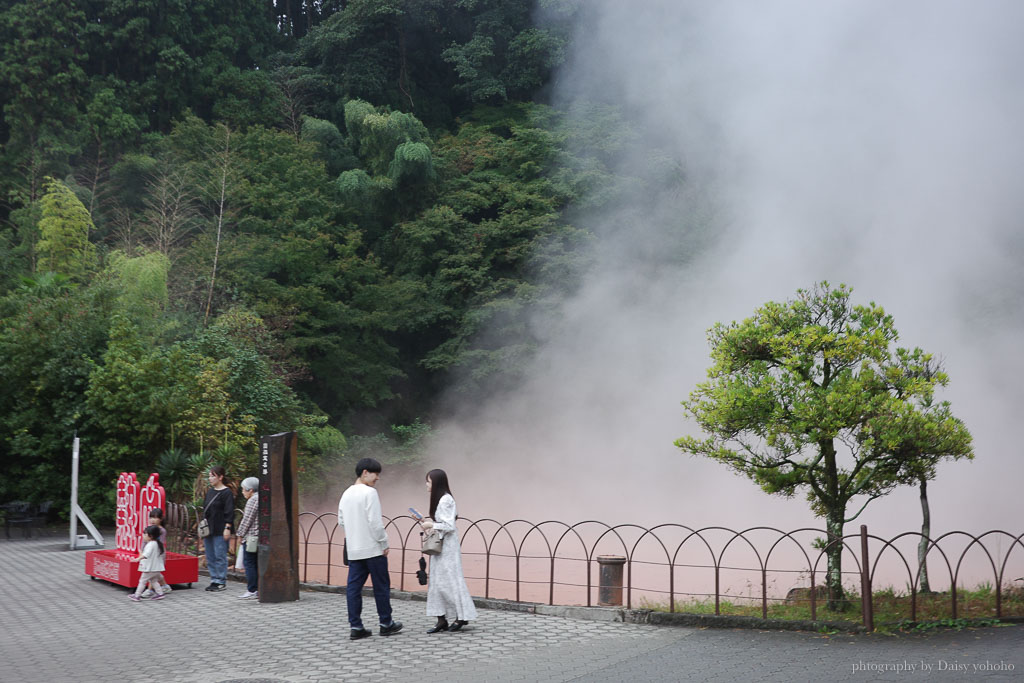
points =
(367, 544)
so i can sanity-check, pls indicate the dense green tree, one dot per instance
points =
(287, 258)
(213, 390)
(505, 57)
(64, 226)
(435, 57)
(494, 248)
(240, 340)
(811, 395)
(171, 56)
(332, 147)
(303, 92)
(397, 173)
(386, 52)
(109, 131)
(138, 393)
(143, 284)
(296, 17)
(42, 87)
(51, 333)
(294, 204)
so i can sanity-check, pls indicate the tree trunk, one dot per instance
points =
(835, 516)
(922, 546)
(834, 552)
(220, 219)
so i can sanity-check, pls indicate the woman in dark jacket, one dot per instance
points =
(219, 512)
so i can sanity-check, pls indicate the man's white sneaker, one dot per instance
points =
(148, 593)
(165, 590)
(247, 595)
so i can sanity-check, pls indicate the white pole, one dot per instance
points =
(77, 513)
(74, 492)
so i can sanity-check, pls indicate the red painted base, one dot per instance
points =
(116, 566)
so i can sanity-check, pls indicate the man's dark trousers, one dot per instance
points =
(377, 569)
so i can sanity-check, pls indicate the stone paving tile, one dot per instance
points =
(58, 625)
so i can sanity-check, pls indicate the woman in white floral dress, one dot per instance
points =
(447, 594)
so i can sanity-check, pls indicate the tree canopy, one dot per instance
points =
(220, 219)
(813, 395)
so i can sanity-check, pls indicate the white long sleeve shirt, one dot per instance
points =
(360, 516)
(152, 559)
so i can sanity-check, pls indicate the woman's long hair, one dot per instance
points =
(225, 479)
(438, 487)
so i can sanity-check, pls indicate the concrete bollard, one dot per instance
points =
(609, 587)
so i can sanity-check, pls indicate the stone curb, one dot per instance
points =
(628, 616)
(609, 614)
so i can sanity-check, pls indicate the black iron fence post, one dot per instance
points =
(865, 581)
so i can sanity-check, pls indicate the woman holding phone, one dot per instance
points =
(447, 594)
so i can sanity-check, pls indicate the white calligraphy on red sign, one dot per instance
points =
(134, 503)
(106, 569)
(127, 516)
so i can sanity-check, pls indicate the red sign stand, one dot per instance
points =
(133, 505)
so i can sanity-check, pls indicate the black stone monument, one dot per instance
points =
(279, 519)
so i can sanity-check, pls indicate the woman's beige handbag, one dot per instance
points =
(432, 541)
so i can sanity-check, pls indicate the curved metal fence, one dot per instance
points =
(181, 522)
(669, 565)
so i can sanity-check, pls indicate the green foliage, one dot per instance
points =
(51, 333)
(800, 383)
(235, 460)
(321, 453)
(267, 210)
(176, 475)
(199, 465)
(377, 135)
(789, 382)
(322, 441)
(42, 88)
(505, 57)
(959, 624)
(143, 282)
(138, 393)
(890, 611)
(167, 57)
(495, 248)
(401, 444)
(332, 148)
(21, 241)
(64, 226)
(473, 62)
(412, 164)
(241, 343)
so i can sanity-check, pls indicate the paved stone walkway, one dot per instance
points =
(56, 624)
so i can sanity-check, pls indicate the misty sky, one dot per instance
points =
(878, 144)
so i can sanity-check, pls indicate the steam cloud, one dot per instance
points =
(873, 143)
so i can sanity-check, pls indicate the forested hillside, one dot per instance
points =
(226, 218)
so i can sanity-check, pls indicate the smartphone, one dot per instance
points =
(416, 514)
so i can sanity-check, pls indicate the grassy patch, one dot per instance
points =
(892, 608)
